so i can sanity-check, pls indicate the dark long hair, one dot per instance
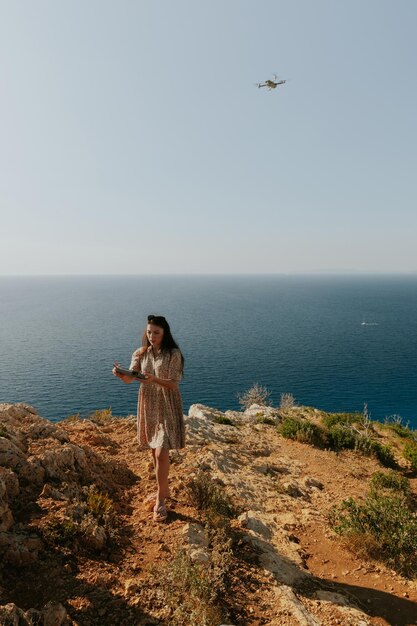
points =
(168, 343)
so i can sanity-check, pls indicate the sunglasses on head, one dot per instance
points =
(156, 318)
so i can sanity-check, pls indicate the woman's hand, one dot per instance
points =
(123, 377)
(114, 370)
(150, 378)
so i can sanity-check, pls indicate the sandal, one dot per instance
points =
(150, 500)
(160, 513)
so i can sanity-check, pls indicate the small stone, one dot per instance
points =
(292, 489)
(199, 555)
(54, 614)
(131, 587)
(313, 482)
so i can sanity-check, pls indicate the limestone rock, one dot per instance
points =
(6, 517)
(94, 536)
(49, 491)
(10, 454)
(31, 472)
(296, 607)
(197, 542)
(255, 409)
(19, 549)
(11, 482)
(200, 411)
(45, 429)
(194, 534)
(251, 520)
(313, 482)
(54, 614)
(198, 555)
(11, 615)
(344, 604)
(293, 489)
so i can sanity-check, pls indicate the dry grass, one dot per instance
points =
(257, 394)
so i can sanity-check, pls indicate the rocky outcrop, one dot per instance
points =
(254, 476)
(70, 493)
(40, 465)
(53, 614)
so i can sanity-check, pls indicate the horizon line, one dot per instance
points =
(301, 273)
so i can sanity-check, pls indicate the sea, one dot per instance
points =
(337, 343)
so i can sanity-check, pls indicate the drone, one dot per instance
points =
(272, 84)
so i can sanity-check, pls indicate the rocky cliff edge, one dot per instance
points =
(78, 544)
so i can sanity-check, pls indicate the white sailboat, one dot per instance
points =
(365, 323)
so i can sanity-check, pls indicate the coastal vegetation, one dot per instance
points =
(209, 498)
(287, 401)
(383, 525)
(335, 431)
(195, 592)
(338, 432)
(249, 517)
(256, 394)
(410, 454)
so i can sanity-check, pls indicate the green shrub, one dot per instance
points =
(384, 454)
(340, 419)
(340, 437)
(207, 496)
(264, 419)
(3, 432)
(395, 424)
(391, 481)
(62, 532)
(399, 429)
(382, 526)
(222, 419)
(303, 431)
(410, 454)
(189, 592)
(98, 504)
(370, 447)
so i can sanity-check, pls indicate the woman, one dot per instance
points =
(160, 414)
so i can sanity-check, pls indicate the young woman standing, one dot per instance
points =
(160, 414)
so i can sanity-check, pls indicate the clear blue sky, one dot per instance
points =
(133, 138)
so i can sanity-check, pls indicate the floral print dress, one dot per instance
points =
(160, 414)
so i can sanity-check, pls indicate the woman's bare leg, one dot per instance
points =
(161, 456)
